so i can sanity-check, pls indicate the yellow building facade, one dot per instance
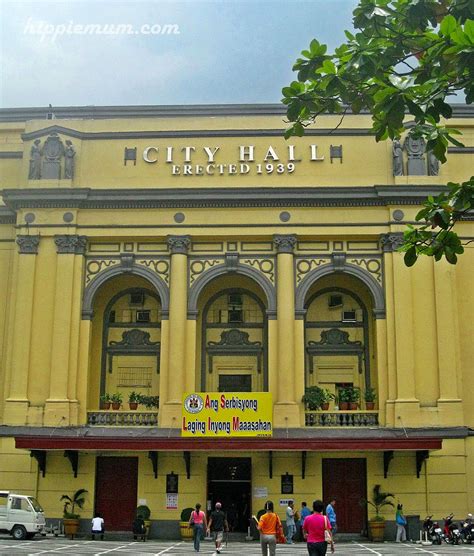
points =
(173, 250)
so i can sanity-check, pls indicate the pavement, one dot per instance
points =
(51, 545)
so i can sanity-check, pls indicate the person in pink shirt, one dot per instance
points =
(198, 522)
(313, 530)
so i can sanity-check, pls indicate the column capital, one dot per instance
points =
(284, 243)
(28, 245)
(178, 244)
(70, 244)
(391, 242)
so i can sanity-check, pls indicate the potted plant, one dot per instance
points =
(70, 518)
(344, 397)
(105, 401)
(145, 513)
(370, 396)
(133, 400)
(354, 397)
(377, 523)
(150, 402)
(186, 531)
(313, 397)
(328, 397)
(116, 400)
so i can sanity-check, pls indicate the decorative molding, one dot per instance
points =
(11, 154)
(135, 338)
(197, 267)
(372, 265)
(303, 266)
(181, 198)
(391, 242)
(178, 244)
(235, 342)
(284, 243)
(339, 261)
(231, 261)
(233, 338)
(335, 342)
(160, 266)
(70, 244)
(95, 266)
(266, 266)
(28, 245)
(334, 337)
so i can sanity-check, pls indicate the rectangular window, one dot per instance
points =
(137, 298)
(143, 316)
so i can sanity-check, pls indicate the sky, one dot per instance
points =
(96, 52)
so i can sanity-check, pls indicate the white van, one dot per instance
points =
(20, 515)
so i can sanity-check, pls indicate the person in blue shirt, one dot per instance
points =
(331, 515)
(304, 512)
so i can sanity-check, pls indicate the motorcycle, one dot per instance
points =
(432, 530)
(451, 533)
(467, 530)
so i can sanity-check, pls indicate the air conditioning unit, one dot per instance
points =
(143, 316)
(137, 298)
(349, 316)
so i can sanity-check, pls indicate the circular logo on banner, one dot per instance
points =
(193, 403)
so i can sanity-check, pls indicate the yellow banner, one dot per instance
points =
(227, 414)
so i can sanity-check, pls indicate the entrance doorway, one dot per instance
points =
(346, 481)
(229, 481)
(116, 491)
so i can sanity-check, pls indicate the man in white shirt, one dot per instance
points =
(98, 526)
(290, 522)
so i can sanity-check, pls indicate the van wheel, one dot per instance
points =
(19, 533)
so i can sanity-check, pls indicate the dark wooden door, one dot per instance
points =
(116, 491)
(346, 481)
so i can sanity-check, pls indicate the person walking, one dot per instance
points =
(304, 513)
(98, 526)
(218, 524)
(198, 522)
(331, 515)
(268, 525)
(290, 522)
(401, 522)
(314, 531)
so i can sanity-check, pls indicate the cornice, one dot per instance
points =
(87, 198)
(170, 111)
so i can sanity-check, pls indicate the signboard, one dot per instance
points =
(287, 484)
(172, 483)
(171, 501)
(229, 414)
(260, 492)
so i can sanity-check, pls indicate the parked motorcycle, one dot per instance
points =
(467, 529)
(451, 532)
(432, 530)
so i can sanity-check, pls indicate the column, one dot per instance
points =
(57, 410)
(171, 410)
(287, 410)
(447, 343)
(16, 406)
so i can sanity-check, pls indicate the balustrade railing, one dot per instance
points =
(341, 418)
(108, 418)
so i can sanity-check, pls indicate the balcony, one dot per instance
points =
(341, 418)
(111, 418)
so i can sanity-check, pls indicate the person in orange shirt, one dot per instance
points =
(268, 525)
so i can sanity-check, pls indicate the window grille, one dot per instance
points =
(134, 377)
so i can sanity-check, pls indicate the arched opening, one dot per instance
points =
(125, 341)
(232, 336)
(339, 339)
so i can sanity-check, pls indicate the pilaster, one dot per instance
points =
(176, 380)
(287, 410)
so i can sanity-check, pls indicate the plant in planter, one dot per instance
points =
(354, 397)
(70, 517)
(317, 398)
(186, 531)
(105, 401)
(377, 523)
(328, 397)
(116, 400)
(150, 402)
(370, 396)
(344, 397)
(133, 400)
(144, 512)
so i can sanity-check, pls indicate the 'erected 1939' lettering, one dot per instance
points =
(271, 160)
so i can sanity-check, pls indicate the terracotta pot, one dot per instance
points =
(353, 405)
(325, 406)
(186, 531)
(133, 405)
(376, 530)
(71, 527)
(343, 406)
(105, 405)
(116, 405)
(370, 405)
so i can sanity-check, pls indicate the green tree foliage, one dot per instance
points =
(404, 61)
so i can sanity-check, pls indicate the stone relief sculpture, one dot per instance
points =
(69, 155)
(415, 148)
(45, 161)
(35, 161)
(433, 164)
(397, 153)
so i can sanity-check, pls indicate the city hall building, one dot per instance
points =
(192, 256)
